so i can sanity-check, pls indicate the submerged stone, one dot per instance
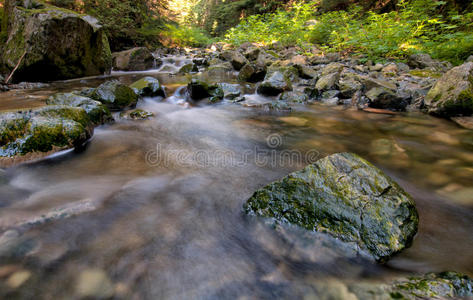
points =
(347, 197)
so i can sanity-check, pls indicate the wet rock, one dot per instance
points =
(328, 82)
(252, 73)
(252, 53)
(230, 91)
(452, 95)
(469, 59)
(235, 58)
(148, 87)
(43, 130)
(220, 70)
(306, 72)
(188, 68)
(294, 97)
(347, 197)
(136, 59)
(386, 99)
(198, 90)
(332, 68)
(349, 86)
(115, 95)
(137, 114)
(54, 44)
(97, 112)
(94, 284)
(390, 70)
(274, 84)
(284, 67)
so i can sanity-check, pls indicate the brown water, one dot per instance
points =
(152, 209)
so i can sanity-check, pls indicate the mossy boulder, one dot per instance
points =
(252, 73)
(347, 197)
(136, 59)
(188, 68)
(381, 97)
(274, 84)
(199, 89)
(137, 114)
(294, 97)
(115, 95)
(237, 59)
(97, 112)
(42, 130)
(51, 43)
(148, 87)
(452, 95)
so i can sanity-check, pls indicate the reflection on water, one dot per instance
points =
(108, 222)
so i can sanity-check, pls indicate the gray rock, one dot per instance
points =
(188, 68)
(349, 86)
(452, 95)
(235, 58)
(294, 97)
(252, 53)
(230, 91)
(274, 84)
(381, 97)
(136, 59)
(328, 82)
(252, 73)
(424, 61)
(347, 197)
(469, 59)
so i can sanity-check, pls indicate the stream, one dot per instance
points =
(153, 209)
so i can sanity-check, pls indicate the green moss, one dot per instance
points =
(425, 73)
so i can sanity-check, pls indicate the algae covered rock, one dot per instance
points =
(347, 197)
(136, 59)
(137, 114)
(199, 89)
(148, 87)
(51, 43)
(42, 130)
(97, 112)
(115, 95)
(452, 95)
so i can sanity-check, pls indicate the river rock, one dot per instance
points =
(43, 130)
(424, 61)
(347, 197)
(230, 91)
(452, 95)
(384, 98)
(115, 96)
(252, 73)
(274, 84)
(294, 97)
(327, 82)
(136, 59)
(235, 58)
(51, 43)
(97, 112)
(188, 68)
(148, 87)
(137, 114)
(198, 90)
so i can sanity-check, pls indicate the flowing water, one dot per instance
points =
(153, 209)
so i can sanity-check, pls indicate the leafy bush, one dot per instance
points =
(416, 26)
(183, 36)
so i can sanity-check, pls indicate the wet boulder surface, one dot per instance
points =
(49, 43)
(115, 95)
(347, 197)
(148, 87)
(54, 127)
(136, 59)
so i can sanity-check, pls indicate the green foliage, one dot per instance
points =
(183, 36)
(415, 26)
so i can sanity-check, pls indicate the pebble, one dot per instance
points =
(94, 283)
(17, 279)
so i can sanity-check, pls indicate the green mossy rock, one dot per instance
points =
(148, 87)
(53, 43)
(347, 197)
(137, 114)
(251, 73)
(115, 96)
(452, 95)
(198, 90)
(43, 130)
(97, 112)
(294, 97)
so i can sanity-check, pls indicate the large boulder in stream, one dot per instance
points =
(136, 59)
(274, 84)
(347, 197)
(97, 112)
(148, 87)
(452, 95)
(51, 128)
(50, 43)
(115, 95)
